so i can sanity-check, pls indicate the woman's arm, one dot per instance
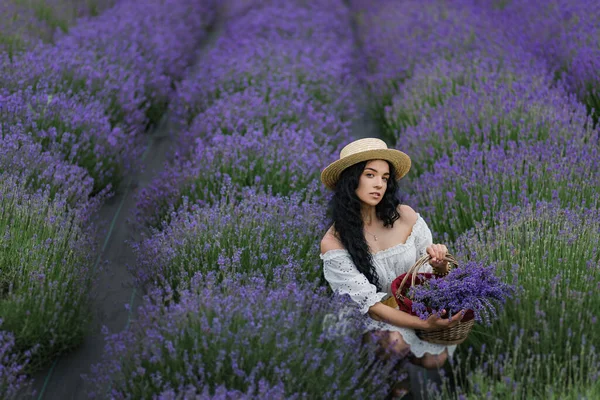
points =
(381, 312)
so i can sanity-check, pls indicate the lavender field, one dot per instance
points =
(497, 104)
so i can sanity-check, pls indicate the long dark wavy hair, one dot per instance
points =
(345, 213)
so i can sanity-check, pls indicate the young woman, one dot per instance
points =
(373, 240)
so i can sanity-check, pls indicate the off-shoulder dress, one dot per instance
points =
(344, 278)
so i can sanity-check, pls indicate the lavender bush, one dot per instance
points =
(283, 162)
(125, 59)
(37, 169)
(396, 37)
(46, 272)
(259, 109)
(273, 236)
(474, 185)
(510, 370)
(256, 110)
(251, 343)
(277, 64)
(564, 33)
(491, 115)
(273, 71)
(472, 286)
(13, 380)
(75, 127)
(552, 253)
(19, 28)
(432, 84)
(26, 23)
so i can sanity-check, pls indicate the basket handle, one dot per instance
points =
(412, 271)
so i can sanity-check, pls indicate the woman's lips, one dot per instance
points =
(375, 194)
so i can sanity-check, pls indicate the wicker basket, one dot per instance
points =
(448, 336)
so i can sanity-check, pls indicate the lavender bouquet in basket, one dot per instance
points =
(472, 286)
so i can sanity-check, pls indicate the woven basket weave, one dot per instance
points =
(448, 336)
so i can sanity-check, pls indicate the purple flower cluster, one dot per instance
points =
(74, 127)
(283, 162)
(254, 110)
(234, 339)
(432, 84)
(47, 274)
(271, 236)
(565, 33)
(395, 38)
(472, 286)
(26, 24)
(265, 70)
(473, 185)
(72, 111)
(36, 169)
(266, 108)
(125, 59)
(448, 106)
(13, 379)
(551, 253)
(91, 94)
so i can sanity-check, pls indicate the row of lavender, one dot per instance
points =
(72, 117)
(229, 262)
(505, 167)
(26, 23)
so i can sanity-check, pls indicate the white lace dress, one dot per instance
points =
(344, 278)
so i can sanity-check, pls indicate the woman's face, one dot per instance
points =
(373, 182)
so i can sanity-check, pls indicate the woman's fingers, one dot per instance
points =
(442, 252)
(437, 252)
(431, 252)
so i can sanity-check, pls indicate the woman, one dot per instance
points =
(374, 239)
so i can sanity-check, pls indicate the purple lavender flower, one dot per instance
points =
(252, 342)
(472, 186)
(487, 101)
(13, 379)
(396, 37)
(256, 109)
(283, 162)
(272, 236)
(564, 34)
(47, 275)
(37, 170)
(75, 127)
(279, 62)
(471, 286)
(126, 60)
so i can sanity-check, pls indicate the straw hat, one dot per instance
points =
(364, 150)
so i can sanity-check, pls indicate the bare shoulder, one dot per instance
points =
(407, 214)
(330, 242)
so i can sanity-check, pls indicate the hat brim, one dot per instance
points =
(400, 161)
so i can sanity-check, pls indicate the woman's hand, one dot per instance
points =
(435, 322)
(438, 252)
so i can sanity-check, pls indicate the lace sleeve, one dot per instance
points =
(345, 278)
(423, 239)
